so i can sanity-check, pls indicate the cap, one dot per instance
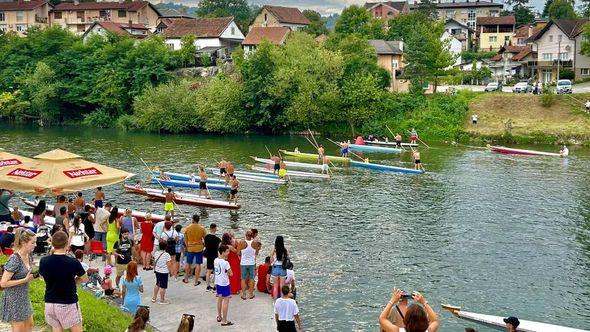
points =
(512, 320)
(108, 269)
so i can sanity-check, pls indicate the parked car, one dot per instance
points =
(564, 86)
(493, 86)
(522, 87)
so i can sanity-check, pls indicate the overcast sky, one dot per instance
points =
(325, 7)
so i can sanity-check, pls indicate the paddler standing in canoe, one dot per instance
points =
(282, 169)
(321, 153)
(221, 165)
(325, 167)
(417, 162)
(414, 136)
(163, 175)
(230, 169)
(169, 204)
(203, 181)
(344, 149)
(564, 152)
(277, 164)
(234, 184)
(398, 141)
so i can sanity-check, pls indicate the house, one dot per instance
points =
(167, 16)
(387, 9)
(20, 15)
(558, 46)
(134, 30)
(522, 34)
(80, 16)
(218, 36)
(466, 12)
(390, 56)
(462, 32)
(277, 16)
(274, 35)
(513, 61)
(494, 31)
(455, 47)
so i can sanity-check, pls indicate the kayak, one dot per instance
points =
(505, 150)
(497, 322)
(372, 148)
(186, 177)
(254, 177)
(387, 143)
(189, 184)
(313, 156)
(182, 198)
(380, 167)
(289, 163)
(140, 216)
(308, 175)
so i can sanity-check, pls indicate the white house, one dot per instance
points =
(134, 30)
(455, 47)
(460, 31)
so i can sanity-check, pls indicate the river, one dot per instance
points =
(496, 234)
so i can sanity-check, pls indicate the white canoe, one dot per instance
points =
(390, 143)
(497, 322)
(292, 173)
(290, 163)
(254, 177)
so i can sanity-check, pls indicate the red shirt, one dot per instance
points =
(263, 271)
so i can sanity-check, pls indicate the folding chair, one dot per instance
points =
(97, 248)
(8, 251)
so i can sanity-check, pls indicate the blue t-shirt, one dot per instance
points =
(179, 243)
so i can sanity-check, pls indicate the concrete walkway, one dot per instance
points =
(249, 315)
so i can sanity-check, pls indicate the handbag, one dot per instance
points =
(285, 262)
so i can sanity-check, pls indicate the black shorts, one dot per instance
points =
(109, 292)
(177, 256)
(73, 248)
(171, 251)
(162, 280)
(210, 261)
(474, 121)
(277, 167)
(286, 326)
(203, 185)
(417, 161)
(222, 171)
(233, 192)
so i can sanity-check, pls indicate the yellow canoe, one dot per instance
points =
(313, 156)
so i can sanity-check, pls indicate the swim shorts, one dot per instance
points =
(169, 206)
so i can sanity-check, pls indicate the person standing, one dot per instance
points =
(325, 167)
(234, 185)
(79, 203)
(88, 222)
(16, 303)
(170, 238)
(286, 312)
(39, 212)
(587, 106)
(169, 204)
(222, 171)
(235, 282)
(77, 235)
(5, 196)
(417, 161)
(282, 170)
(194, 239)
(99, 197)
(344, 149)
(162, 262)
(131, 286)
(203, 182)
(101, 217)
(321, 153)
(212, 242)
(277, 164)
(222, 274)
(248, 248)
(123, 251)
(413, 136)
(278, 273)
(61, 274)
(398, 141)
(146, 244)
(474, 120)
(112, 232)
(129, 222)
(61, 202)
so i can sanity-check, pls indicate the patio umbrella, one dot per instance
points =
(10, 159)
(57, 172)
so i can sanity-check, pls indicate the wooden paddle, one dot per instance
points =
(356, 155)
(163, 189)
(386, 126)
(421, 141)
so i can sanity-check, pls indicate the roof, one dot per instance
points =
(452, 20)
(120, 28)
(321, 38)
(288, 15)
(275, 35)
(172, 13)
(397, 5)
(495, 20)
(131, 6)
(21, 5)
(571, 28)
(473, 3)
(518, 52)
(200, 27)
(386, 47)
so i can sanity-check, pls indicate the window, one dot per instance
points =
(21, 27)
(492, 39)
(170, 46)
(233, 30)
(121, 13)
(471, 15)
(585, 71)
(20, 16)
(265, 17)
(57, 15)
(80, 15)
(2, 17)
(394, 64)
(551, 38)
(547, 56)
(521, 41)
(456, 31)
(103, 13)
(494, 13)
(564, 55)
(3, 28)
(506, 38)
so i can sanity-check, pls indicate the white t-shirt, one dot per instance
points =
(77, 236)
(100, 216)
(286, 309)
(290, 277)
(221, 268)
(161, 258)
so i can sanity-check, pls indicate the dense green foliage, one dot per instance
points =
(561, 9)
(239, 9)
(546, 8)
(318, 24)
(468, 56)
(523, 15)
(357, 20)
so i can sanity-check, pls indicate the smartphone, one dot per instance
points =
(407, 296)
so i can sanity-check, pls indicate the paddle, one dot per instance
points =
(317, 148)
(386, 126)
(421, 141)
(163, 189)
(356, 155)
(421, 166)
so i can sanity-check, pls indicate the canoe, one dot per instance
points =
(188, 184)
(373, 148)
(254, 177)
(186, 177)
(313, 156)
(291, 173)
(380, 167)
(387, 143)
(140, 216)
(290, 163)
(182, 198)
(505, 150)
(497, 322)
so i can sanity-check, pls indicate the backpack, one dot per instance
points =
(170, 242)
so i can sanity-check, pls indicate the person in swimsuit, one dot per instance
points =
(321, 153)
(564, 152)
(325, 167)
(98, 197)
(230, 172)
(282, 169)
(221, 165)
(277, 164)
(414, 136)
(203, 182)
(417, 163)
(344, 149)
(233, 194)
(169, 205)
(163, 175)
(398, 141)
(79, 203)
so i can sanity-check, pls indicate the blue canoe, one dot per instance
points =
(379, 167)
(186, 177)
(188, 184)
(373, 148)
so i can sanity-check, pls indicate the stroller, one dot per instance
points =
(42, 245)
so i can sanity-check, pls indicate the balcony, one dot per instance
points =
(554, 63)
(40, 19)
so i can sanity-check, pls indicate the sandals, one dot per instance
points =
(252, 296)
(197, 283)
(185, 281)
(243, 298)
(218, 319)
(227, 324)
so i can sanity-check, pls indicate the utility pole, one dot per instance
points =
(558, 56)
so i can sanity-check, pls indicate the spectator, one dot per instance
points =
(147, 241)
(28, 223)
(16, 215)
(77, 234)
(248, 249)
(287, 312)
(235, 281)
(512, 323)
(88, 222)
(71, 209)
(142, 316)
(62, 218)
(61, 274)
(187, 323)
(107, 282)
(419, 316)
(113, 228)
(131, 287)
(162, 269)
(180, 248)
(278, 272)
(79, 203)
(5, 196)
(16, 304)
(212, 242)
(129, 222)
(194, 242)
(39, 213)
(170, 238)
(101, 217)
(123, 250)
(61, 202)
(290, 280)
(158, 229)
(263, 284)
(93, 273)
(7, 238)
(222, 274)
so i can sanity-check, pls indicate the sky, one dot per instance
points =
(324, 7)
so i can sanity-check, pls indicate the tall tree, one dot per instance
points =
(523, 15)
(517, 3)
(318, 24)
(239, 9)
(428, 9)
(546, 8)
(188, 50)
(585, 8)
(358, 20)
(403, 25)
(561, 9)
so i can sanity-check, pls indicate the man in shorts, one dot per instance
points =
(169, 205)
(194, 240)
(211, 245)
(98, 197)
(61, 274)
(234, 184)
(249, 249)
(277, 164)
(122, 251)
(222, 273)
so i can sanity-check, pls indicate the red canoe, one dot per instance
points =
(140, 216)
(182, 198)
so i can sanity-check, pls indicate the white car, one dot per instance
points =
(493, 86)
(564, 86)
(521, 87)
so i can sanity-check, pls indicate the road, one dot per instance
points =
(578, 88)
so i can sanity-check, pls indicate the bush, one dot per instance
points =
(547, 97)
(467, 56)
(98, 118)
(566, 74)
(127, 122)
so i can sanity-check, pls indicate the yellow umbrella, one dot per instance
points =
(10, 159)
(57, 172)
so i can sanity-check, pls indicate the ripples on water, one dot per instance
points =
(503, 235)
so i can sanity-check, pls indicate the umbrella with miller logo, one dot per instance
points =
(10, 159)
(57, 172)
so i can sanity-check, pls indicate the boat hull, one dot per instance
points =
(140, 216)
(182, 198)
(314, 156)
(522, 152)
(386, 168)
(372, 148)
(186, 177)
(291, 173)
(384, 143)
(188, 184)
(255, 177)
(290, 164)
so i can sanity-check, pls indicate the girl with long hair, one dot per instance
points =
(132, 286)
(142, 316)
(278, 271)
(235, 280)
(39, 212)
(77, 234)
(112, 233)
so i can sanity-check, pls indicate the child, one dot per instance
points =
(222, 273)
(290, 281)
(107, 283)
(179, 247)
(263, 284)
(162, 264)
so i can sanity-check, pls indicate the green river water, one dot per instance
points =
(496, 234)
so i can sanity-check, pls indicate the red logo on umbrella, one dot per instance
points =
(25, 173)
(9, 162)
(77, 173)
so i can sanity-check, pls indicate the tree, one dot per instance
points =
(239, 9)
(546, 8)
(41, 88)
(221, 106)
(523, 15)
(403, 25)
(188, 50)
(318, 25)
(428, 9)
(358, 20)
(517, 3)
(561, 9)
